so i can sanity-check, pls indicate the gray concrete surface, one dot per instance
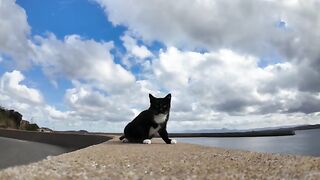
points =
(115, 160)
(72, 140)
(17, 152)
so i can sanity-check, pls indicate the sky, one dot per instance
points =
(90, 64)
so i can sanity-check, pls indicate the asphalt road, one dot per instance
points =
(17, 152)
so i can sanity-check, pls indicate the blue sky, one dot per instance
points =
(62, 18)
(66, 17)
(70, 17)
(90, 64)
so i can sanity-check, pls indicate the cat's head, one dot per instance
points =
(160, 105)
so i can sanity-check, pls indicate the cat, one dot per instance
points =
(150, 122)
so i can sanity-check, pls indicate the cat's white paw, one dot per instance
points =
(146, 141)
(125, 140)
(173, 141)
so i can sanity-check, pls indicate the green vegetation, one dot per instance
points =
(13, 119)
(32, 127)
(9, 118)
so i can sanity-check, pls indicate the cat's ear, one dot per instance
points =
(151, 97)
(168, 96)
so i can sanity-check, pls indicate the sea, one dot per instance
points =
(305, 142)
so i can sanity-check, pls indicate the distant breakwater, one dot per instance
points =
(277, 132)
(274, 132)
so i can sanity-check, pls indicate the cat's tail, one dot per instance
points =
(122, 137)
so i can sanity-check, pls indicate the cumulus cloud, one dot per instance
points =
(81, 59)
(254, 27)
(247, 122)
(133, 48)
(223, 80)
(223, 86)
(14, 94)
(99, 105)
(107, 111)
(250, 25)
(14, 33)
(94, 105)
(58, 115)
(136, 56)
(228, 80)
(77, 59)
(218, 86)
(10, 84)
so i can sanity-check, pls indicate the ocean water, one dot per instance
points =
(305, 142)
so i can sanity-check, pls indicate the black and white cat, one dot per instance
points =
(150, 122)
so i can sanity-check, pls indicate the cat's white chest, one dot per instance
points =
(160, 118)
(154, 131)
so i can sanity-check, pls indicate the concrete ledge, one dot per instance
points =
(67, 140)
(116, 160)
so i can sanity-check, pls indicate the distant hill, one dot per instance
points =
(305, 127)
(11, 119)
(265, 129)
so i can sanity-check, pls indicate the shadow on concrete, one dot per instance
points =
(67, 140)
(21, 147)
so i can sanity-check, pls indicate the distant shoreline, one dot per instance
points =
(290, 131)
(277, 132)
(238, 134)
(98, 137)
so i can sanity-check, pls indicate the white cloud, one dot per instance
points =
(133, 48)
(141, 52)
(58, 115)
(216, 87)
(246, 26)
(10, 85)
(250, 27)
(135, 55)
(81, 59)
(92, 105)
(14, 32)
(30, 102)
(95, 110)
(95, 105)
(223, 87)
(246, 122)
(222, 80)
(227, 82)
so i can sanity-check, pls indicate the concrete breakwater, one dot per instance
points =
(15, 152)
(66, 140)
(116, 160)
(276, 132)
(260, 133)
(22, 147)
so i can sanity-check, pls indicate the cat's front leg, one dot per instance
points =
(164, 135)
